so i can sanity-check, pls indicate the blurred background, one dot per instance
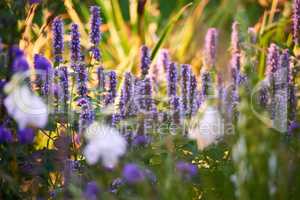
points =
(179, 25)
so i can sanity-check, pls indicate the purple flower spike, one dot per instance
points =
(58, 39)
(296, 21)
(172, 78)
(211, 39)
(42, 63)
(5, 135)
(193, 95)
(26, 136)
(64, 82)
(125, 104)
(187, 170)
(95, 33)
(145, 60)
(75, 44)
(235, 38)
(144, 95)
(164, 59)
(185, 87)
(235, 68)
(82, 77)
(176, 109)
(112, 90)
(272, 59)
(101, 78)
(92, 191)
(133, 174)
(86, 116)
(205, 82)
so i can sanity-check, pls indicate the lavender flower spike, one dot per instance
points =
(172, 79)
(95, 33)
(101, 78)
(145, 60)
(235, 38)
(185, 87)
(176, 109)
(205, 82)
(75, 44)
(211, 39)
(126, 95)
(296, 21)
(58, 39)
(64, 82)
(82, 77)
(193, 104)
(272, 59)
(112, 92)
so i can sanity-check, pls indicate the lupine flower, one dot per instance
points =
(58, 39)
(172, 79)
(25, 107)
(92, 191)
(132, 173)
(103, 142)
(235, 38)
(145, 60)
(26, 136)
(75, 44)
(82, 77)
(95, 34)
(185, 87)
(187, 170)
(5, 135)
(210, 48)
(193, 95)
(112, 91)
(272, 59)
(296, 21)
(209, 129)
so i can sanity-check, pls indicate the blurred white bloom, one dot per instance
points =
(105, 143)
(209, 129)
(25, 107)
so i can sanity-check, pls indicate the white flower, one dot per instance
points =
(209, 129)
(105, 143)
(26, 108)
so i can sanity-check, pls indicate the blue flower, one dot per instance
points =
(92, 191)
(5, 135)
(26, 136)
(132, 173)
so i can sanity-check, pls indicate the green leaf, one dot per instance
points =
(167, 30)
